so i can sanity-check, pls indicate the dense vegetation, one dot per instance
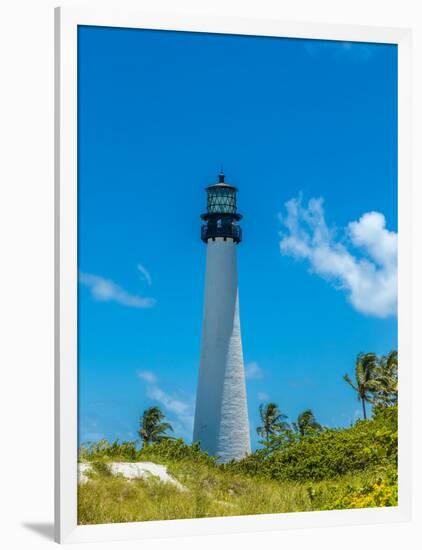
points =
(300, 466)
(328, 454)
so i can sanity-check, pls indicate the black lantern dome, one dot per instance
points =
(221, 215)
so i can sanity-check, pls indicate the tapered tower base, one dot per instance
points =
(221, 418)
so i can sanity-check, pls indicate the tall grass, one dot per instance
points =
(211, 493)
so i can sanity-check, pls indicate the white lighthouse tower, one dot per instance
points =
(221, 416)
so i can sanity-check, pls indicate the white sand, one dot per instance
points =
(133, 470)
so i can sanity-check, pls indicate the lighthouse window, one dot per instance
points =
(221, 201)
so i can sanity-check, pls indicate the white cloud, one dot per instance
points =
(180, 411)
(263, 396)
(168, 401)
(147, 375)
(253, 371)
(105, 290)
(364, 265)
(145, 274)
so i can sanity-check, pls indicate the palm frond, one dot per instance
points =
(347, 379)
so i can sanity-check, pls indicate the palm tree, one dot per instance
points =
(386, 374)
(273, 421)
(365, 383)
(151, 427)
(306, 423)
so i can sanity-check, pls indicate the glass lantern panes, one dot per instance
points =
(221, 200)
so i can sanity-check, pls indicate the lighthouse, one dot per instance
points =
(221, 423)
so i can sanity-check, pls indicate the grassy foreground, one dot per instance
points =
(337, 469)
(110, 499)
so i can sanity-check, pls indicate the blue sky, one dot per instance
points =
(307, 131)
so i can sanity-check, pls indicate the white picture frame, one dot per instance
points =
(66, 23)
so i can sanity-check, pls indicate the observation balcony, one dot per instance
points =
(228, 230)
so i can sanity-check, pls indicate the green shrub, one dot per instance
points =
(369, 444)
(170, 450)
(165, 451)
(103, 451)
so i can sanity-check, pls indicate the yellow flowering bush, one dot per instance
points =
(380, 493)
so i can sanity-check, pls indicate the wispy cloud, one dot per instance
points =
(262, 396)
(363, 264)
(180, 410)
(169, 402)
(89, 429)
(253, 371)
(355, 51)
(105, 290)
(147, 376)
(145, 274)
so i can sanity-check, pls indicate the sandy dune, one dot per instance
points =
(132, 470)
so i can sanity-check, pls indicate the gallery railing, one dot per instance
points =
(226, 231)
